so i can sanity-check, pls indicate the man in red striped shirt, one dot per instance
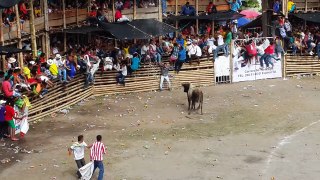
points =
(96, 155)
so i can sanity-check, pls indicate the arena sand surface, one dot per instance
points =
(251, 130)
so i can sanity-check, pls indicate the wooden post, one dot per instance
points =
(212, 27)
(231, 60)
(285, 8)
(20, 57)
(134, 9)
(32, 30)
(306, 5)
(2, 41)
(77, 13)
(284, 69)
(46, 26)
(176, 13)
(265, 7)
(64, 26)
(160, 10)
(113, 11)
(197, 20)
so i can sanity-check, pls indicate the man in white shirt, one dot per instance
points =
(194, 52)
(220, 46)
(210, 45)
(78, 151)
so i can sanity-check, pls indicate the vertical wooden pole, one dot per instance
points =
(32, 30)
(197, 20)
(20, 57)
(265, 7)
(160, 10)
(64, 26)
(46, 26)
(285, 8)
(306, 5)
(134, 9)
(77, 13)
(176, 13)
(113, 11)
(212, 27)
(2, 42)
(231, 60)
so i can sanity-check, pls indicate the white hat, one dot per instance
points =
(32, 62)
(2, 101)
(12, 60)
(17, 68)
(188, 43)
(78, 66)
(58, 56)
(50, 61)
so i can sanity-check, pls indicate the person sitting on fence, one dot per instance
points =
(108, 63)
(210, 47)
(135, 63)
(127, 4)
(182, 56)
(62, 68)
(71, 67)
(53, 68)
(279, 49)
(194, 52)
(174, 55)
(18, 80)
(153, 51)
(188, 10)
(267, 56)
(251, 52)
(221, 46)
(120, 78)
(228, 41)
(7, 89)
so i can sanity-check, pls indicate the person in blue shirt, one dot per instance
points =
(188, 10)
(276, 7)
(135, 63)
(182, 56)
(234, 5)
(180, 40)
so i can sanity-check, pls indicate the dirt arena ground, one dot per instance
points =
(251, 130)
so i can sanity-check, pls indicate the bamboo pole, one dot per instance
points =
(197, 20)
(113, 11)
(46, 26)
(77, 13)
(306, 5)
(32, 31)
(134, 9)
(160, 10)
(20, 57)
(2, 41)
(212, 27)
(265, 7)
(176, 13)
(64, 26)
(231, 60)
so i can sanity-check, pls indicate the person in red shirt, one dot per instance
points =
(117, 15)
(9, 118)
(267, 56)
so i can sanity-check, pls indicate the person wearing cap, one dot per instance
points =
(53, 68)
(62, 70)
(3, 123)
(194, 52)
(11, 62)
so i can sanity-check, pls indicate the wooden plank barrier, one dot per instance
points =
(147, 78)
(302, 65)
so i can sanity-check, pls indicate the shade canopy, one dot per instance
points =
(309, 16)
(8, 3)
(11, 50)
(137, 29)
(83, 30)
(219, 16)
(250, 14)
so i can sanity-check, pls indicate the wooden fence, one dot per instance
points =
(301, 65)
(145, 79)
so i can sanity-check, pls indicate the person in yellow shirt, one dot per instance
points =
(27, 71)
(291, 6)
(53, 67)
